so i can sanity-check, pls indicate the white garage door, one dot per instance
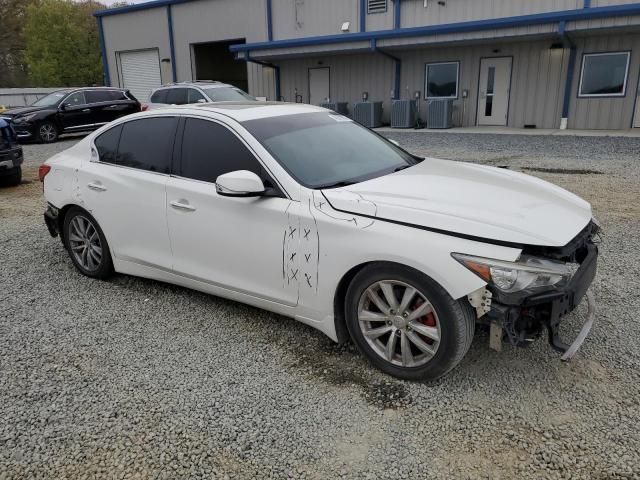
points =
(140, 72)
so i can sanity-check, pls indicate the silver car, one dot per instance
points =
(195, 92)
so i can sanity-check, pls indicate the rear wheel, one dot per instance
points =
(47, 132)
(86, 244)
(406, 324)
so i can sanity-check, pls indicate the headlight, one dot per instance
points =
(24, 118)
(527, 272)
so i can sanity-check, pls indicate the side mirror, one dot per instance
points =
(241, 183)
(63, 107)
(201, 100)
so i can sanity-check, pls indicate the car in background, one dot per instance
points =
(304, 212)
(10, 156)
(70, 111)
(195, 92)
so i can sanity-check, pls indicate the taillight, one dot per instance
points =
(144, 107)
(42, 171)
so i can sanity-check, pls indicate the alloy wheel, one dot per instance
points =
(85, 243)
(399, 323)
(47, 132)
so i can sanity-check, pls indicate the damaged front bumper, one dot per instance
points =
(522, 317)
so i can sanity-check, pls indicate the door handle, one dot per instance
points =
(86, 109)
(181, 205)
(97, 186)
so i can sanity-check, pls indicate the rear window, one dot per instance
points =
(147, 144)
(159, 96)
(107, 144)
(97, 96)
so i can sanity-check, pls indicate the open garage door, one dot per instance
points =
(214, 61)
(140, 72)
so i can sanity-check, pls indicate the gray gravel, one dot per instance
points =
(137, 379)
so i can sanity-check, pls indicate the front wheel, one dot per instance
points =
(47, 132)
(86, 244)
(406, 324)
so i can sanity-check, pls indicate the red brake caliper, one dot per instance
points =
(429, 320)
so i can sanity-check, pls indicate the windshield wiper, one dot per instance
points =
(342, 183)
(401, 167)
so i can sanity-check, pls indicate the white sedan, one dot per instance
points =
(303, 212)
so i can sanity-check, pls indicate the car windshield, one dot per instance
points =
(49, 100)
(324, 150)
(227, 94)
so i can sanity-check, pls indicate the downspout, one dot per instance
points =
(269, 21)
(397, 14)
(172, 50)
(568, 43)
(363, 15)
(587, 3)
(103, 53)
(398, 68)
(276, 68)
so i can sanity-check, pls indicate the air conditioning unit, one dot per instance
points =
(368, 114)
(403, 113)
(440, 113)
(339, 107)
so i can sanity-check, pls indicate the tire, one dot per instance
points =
(12, 180)
(437, 339)
(82, 235)
(47, 132)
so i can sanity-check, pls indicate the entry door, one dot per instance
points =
(140, 72)
(493, 98)
(318, 85)
(636, 117)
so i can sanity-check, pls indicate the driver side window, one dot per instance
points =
(210, 150)
(75, 99)
(195, 96)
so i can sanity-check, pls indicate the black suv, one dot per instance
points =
(10, 156)
(68, 111)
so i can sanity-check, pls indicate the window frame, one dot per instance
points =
(176, 139)
(426, 80)
(604, 95)
(177, 160)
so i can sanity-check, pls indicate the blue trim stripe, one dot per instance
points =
(479, 25)
(172, 49)
(269, 21)
(103, 53)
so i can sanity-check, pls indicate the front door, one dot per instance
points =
(233, 243)
(318, 85)
(493, 98)
(75, 113)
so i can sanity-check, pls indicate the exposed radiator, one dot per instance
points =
(368, 114)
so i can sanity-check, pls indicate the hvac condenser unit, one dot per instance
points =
(339, 107)
(368, 114)
(403, 113)
(440, 113)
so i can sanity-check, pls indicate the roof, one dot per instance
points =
(244, 111)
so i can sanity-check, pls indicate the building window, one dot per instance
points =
(604, 74)
(376, 6)
(441, 80)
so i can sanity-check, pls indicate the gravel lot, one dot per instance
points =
(137, 379)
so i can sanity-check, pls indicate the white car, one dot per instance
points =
(303, 212)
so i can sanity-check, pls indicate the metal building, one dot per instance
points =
(518, 63)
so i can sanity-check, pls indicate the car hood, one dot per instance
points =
(471, 200)
(14, 112)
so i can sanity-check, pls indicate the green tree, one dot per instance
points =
(12, 69)
(62, 48)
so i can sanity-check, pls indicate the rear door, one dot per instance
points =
(124, 188)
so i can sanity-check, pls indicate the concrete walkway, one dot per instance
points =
(634, 132)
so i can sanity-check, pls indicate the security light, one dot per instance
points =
(345, 26)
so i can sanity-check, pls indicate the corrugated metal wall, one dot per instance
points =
(611, 112)
(136, 31)
(305, 18)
